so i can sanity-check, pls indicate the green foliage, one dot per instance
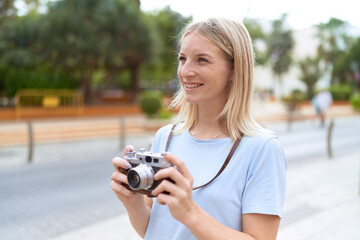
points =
(150, 103)
(165, 27)
(333, 43)
(14, 79)
(100, 44)
(331, 36)
(347, 64)
(355, 101)
(165, 114)
(257, 36)
(21, 60)
(280, 44)
(293, 100)
(310, 73)
(341, 91)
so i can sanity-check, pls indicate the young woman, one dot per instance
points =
(246, 200)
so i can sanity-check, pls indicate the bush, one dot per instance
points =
(355, 101)
(150, 103)
(293, 100)
(165, 114)
(341, 91)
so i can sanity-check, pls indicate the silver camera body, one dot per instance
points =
(144, 166)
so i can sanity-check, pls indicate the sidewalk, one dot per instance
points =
(322, 202)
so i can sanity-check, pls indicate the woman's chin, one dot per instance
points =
(191, 100)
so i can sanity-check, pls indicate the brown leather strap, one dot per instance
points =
(227, 160)
(169, 138)
(235, 145)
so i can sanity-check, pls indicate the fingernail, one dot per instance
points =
(131, 147)
(128, 165)
(164, 154)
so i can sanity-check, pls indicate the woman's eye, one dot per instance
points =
(182, 58)
(202, 60)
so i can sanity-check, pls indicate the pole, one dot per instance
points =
(30, 142)
(122, 134)
(329, 136)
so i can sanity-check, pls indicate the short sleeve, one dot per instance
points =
(265, 186)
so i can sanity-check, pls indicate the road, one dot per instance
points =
(67, 186)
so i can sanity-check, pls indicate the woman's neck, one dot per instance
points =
(208, 124)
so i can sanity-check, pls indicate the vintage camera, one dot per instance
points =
(144, 166)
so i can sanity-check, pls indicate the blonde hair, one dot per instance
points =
(233, 38)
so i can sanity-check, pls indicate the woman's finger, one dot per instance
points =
(119, 189)
(173, 174)
(128, 148)
(120, 163)
(180, 165)
(164, 199)
(166, 187)
(119, 177)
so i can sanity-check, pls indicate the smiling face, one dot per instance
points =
(204, 71)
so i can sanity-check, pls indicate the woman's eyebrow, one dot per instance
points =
(198, 55)
(204, 55)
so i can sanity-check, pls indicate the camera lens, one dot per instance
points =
(133, 179)
(140, 177)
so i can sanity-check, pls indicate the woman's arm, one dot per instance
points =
(200, 223)
(255, 226)
(139, 216)
(137, 205)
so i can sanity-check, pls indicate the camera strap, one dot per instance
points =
(227, 160)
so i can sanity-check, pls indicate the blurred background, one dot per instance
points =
(80, 79)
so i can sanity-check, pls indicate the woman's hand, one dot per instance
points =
(179, 197)
(119, 178)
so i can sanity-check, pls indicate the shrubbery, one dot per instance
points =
(341, 91)
(355, 101)
(150, 103)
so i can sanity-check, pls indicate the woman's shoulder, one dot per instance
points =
(264, 141)
(261, 139)
(165, 130)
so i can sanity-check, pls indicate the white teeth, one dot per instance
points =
(194, 85)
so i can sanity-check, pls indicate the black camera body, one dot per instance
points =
(144, 166)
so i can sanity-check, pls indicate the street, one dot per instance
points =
(68, 185)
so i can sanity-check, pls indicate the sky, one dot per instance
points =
(301, 14)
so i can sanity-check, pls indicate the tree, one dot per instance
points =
(21, 61)
(166, 26)
(280, 44)
(7, 8)
(87, 35)
(347, 66)
(258, 37)
(333, 42)
(310, 73)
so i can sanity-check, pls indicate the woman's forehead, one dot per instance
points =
(195, 41)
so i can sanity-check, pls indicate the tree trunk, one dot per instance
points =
(86, 85)
(134, 71)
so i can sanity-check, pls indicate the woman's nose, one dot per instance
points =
(187, 69)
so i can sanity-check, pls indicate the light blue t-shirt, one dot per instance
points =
(253, 181)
